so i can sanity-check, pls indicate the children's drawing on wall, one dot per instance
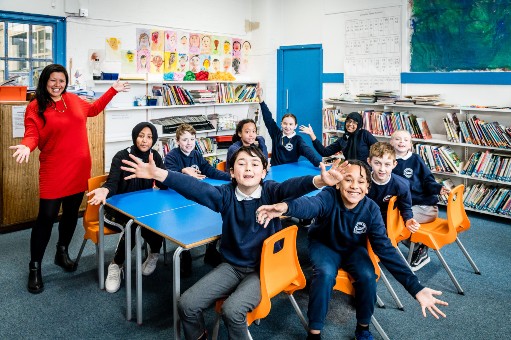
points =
(171, 61)
(128, 61)
(157, 41)
(246, 49)
(170, 41)
(156, 62)
(182, 65)
(194, 62)
(236, 48)
(227, 64)
(182, 42)
(194, 43)
(245, 64)
(216, 45)
(236, 62)
(205, 62)
(113, 49)
(143, 57)
(215, 64)
(205, 44)
(227, 46)
(96, 58)
(143, 39)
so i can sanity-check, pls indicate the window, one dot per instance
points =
(28, 43)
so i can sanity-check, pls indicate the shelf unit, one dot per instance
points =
(434, 116)
(121, 116)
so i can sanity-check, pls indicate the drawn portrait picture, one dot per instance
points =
(205, 44)
(128, 61)
(216, 44)
(205, 62)
(170, 41)
(194, 43)
(113, 49)
(246, 47)
(143, 60)
(171, 61)
(236, 48)
(226, 45)
(157, 41)
(143, 40)
(182, 63)
(156, 62)
(216, 64)
(182, 42)
(194, 65)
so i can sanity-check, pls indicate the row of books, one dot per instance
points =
(439, 158)
(488, 165)
(176, 95)
(488, 198)
(329, 138)
(479, 132)
(385, 123)
(333, 119)
(232, 93)
(203, 96)
(205, 145)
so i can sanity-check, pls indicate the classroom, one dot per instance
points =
(109, 108)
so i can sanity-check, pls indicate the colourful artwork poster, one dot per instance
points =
(171, 61)
(93, 55)
(143, 61)
(216, 64)
(246, 48)
(205, 44)
(236, 48)
(170, 41)
(226, 46)
(205, 62)
(194, 43)
(157, 41)
(182, 42)
(245, 64)
(156, 62)
(128, 61)
(182, 65)
(195, 64)
(143, 40)
(113, 49)
(236, 63)
(227, 64)
(216, 45)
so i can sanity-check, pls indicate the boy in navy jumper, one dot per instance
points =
(237, 278)
(286, 145)
(382, 159)
(354, 144)
(345, 219)
(424, 189)
(188, 160)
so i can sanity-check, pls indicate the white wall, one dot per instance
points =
(45, 7)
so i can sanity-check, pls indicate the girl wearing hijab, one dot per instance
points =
(144, 137)
(354, 144)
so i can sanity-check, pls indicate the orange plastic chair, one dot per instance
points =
(221, 166)
(441, 232)
(396, 230)
(91, 218)
(344, 283)
(279, 272)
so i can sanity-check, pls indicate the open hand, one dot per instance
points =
(22, 153)
(308, 131)
(144, 170)
(99, 196)
(265, 213)
(259, 92)
(121, 87)
(428, 301)
(334, 175)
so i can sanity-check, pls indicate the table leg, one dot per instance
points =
(101, 247)
(127, 268)
(138, 238)
(176, 291)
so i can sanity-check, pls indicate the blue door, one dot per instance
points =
(299, 87)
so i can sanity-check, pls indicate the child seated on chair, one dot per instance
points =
(344, 220)
(382, 159)
(424, 189)
(144, 137)
(286, 145)
(236, 279)
(245, 135)
(188, 160)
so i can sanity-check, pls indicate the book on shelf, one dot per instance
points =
(424, 128)
(451, 157)
(449, 184)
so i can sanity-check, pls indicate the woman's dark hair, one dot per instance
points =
(364, 166)
(41, 93)
(290, 115)
(239, 129)
(253, 151)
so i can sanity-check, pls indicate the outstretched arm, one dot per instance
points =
(144, 170)
(427, 300)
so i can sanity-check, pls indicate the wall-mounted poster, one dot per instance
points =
(157, 41)
(236, 48)
(182, 64)
(194, 43)
(226, 45)
(205, 44)
(143, 61)
(194, 63)
(170, 41)
(128, 61)
(216, 45)
(156, 62)
(216, 64)
(205, 62)
(171, 61)
(143, 40)
(113, 49)
(182, 42)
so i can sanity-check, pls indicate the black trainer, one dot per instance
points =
(420, 258)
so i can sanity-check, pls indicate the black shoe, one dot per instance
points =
(420, 258)
(186, 264)
(62, 259)
(311, 336)
(35, 280)
(212, 256)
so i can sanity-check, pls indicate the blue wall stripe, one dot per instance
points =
(476, 78)
(332, 78)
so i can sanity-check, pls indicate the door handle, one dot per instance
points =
(287, 100)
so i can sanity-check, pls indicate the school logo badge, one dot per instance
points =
(289, 146)
(408, 172)
(360, 228)
(196, 167)
(387, 198)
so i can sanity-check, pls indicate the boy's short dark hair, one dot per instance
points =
(253, 151)
(379, 149)
(364, 166)
(181, 129)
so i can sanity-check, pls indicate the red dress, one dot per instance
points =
(65, 161)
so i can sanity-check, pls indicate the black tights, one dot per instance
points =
(48, 212)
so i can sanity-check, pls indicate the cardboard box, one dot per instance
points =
(13, 93)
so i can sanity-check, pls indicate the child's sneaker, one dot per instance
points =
(420, 258)
(149, 265)
(113, 279)
(186, 264)
(363, 335)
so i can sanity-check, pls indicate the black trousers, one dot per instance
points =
(48, 212)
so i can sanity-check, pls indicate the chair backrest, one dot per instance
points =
(280, 271)
(396, 230)
(91, 214)
(221, 166)
(456, 214)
